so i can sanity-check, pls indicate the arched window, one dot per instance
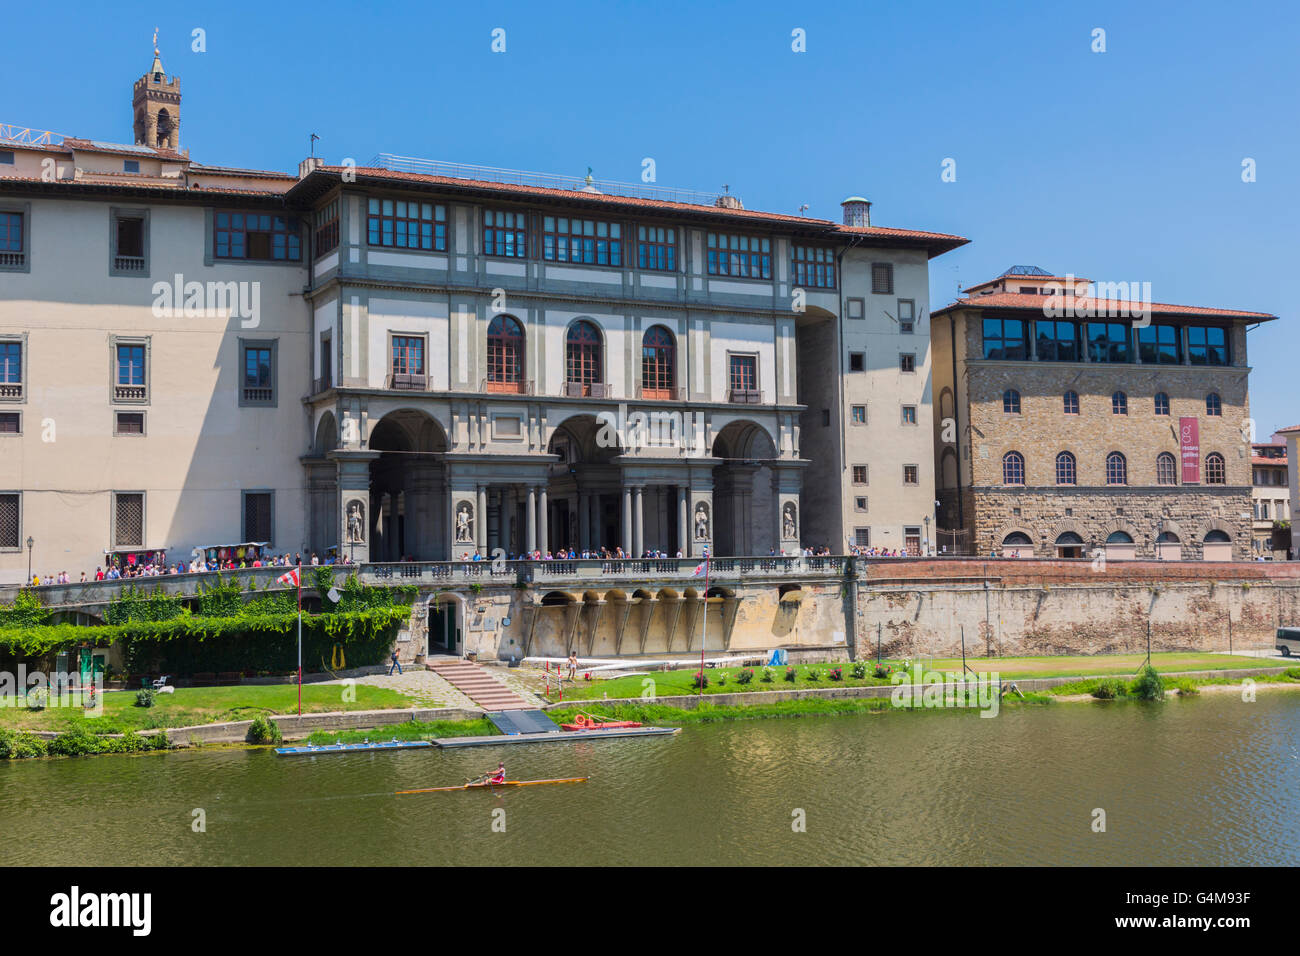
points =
(1119, 537)
(1070, 405)
(1013, 468)
(1116, 469)
(505, 371)
(658, 363)
(1217, 537)
(1119, 404)
(1215, 471)
(1011, 401)
(1066, 473)
(1162, 403)
(583, 358)
(1166, 469)
(1213, 404)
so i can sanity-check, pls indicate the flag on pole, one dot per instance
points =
(701, 569)
(289, 577)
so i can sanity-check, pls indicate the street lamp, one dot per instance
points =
(927, 536)
(31, 543)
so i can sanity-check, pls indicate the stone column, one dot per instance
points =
(543, 520)
(625, 532)
(584, 522)
(596, 529)
(480, 528)
(353, 510)
(638, 521)
(683, 522)
(507, 518)
(531, 516)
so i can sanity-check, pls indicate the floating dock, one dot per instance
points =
(350, 748)
(553, 737)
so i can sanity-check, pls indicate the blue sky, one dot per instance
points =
(1122, 165)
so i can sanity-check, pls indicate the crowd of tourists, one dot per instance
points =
(117, 570)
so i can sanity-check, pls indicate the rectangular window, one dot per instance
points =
(327, 228)
(859, 474)
(406, 225)
(260, 237)
(6, 157)
(813, 267)
(408, 362)
(856, 308)
(1207, 345)
(860, 503)
(1005, 339)
(258, 517)
(130, 243)
(1109, 342)
(585, 241)
(656, 248)
(906, 316)
(909, 414)
(128, 520)
(742, 377)
(130, 165)
(1058, 341)
(128, 423)
(11, 423)
(11, 371)
(857, 361)
(326, 363)
(505, 234)
(1159, 345)
(911, 475)
(882, 278)
(130, 374)
(13, 240)
(858, 414)
(862, 537)
(10, 522)
(906, 362)
(257, 368)
(746, 257)
(826, 418)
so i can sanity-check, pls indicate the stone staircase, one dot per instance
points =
(478, 685)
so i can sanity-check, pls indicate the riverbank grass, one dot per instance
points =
(190, 706)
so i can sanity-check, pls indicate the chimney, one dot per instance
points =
(857, 211)
(308, 164)
(728, 201)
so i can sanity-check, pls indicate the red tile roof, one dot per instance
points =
(1016, 300)
(176, 187)
(1263, 460)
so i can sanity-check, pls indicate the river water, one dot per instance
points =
(1211, 780)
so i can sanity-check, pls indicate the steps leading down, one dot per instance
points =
(478, 685)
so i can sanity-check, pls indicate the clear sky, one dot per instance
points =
(1121, 166)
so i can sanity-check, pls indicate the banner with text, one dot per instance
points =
(1189, 436)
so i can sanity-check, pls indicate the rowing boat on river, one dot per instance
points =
(486, 786)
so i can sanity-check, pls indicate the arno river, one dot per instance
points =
(1210, 780)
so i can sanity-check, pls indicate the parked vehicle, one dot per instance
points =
(1288, 641)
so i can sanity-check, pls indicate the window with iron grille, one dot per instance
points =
(327, 228)
(742, 373)
(656, 248)
(813, 266)
(907, 362)
(505, 233)
(1216, 472)
(1013, 468)
(128, 423)
(505, 353)
(911, 475)
(258, 385)
(1116, 469)
(11, 423)
(257, 516)
(586, 241)
(862, 537)
(406, 225)
(859, 474)
(1070, 403)
(882, 278)
(10, 523)
(1166, 469)
(658, 363)
(128, 520)
(583, 354)
(746, 257)
(1066, 473)
(256, 236)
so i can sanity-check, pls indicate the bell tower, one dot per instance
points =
(156, 105)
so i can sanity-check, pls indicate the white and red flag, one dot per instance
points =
(289, 577)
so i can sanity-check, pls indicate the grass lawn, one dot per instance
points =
(681, 682)
(203, 705)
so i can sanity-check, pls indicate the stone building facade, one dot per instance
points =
(1062, 431)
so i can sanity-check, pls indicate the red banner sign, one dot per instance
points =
(1189, 437)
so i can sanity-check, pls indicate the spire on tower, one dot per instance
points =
(157, 57)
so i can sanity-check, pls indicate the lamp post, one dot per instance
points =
(31, 543)
(926, 552)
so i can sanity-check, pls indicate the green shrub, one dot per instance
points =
(836, 673)
(883, 670)
(26, 611)
(791, 674)
(701, 680)
(766, 678)
(745, 675)
(1109, 689)
(1186, 687)
(1148, 685)
(75, 743)
(264, 731)
(814, 674)
(18, 745)
(145, 697)
(859, 669)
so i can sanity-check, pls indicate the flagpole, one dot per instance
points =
(299, 576)
(704, 633)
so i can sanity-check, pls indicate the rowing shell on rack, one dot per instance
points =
(504, 783)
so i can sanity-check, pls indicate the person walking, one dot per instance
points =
(397, 665)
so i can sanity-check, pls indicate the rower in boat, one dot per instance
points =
(498, 775)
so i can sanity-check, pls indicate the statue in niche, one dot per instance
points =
(465, 522)
(702, 523)
(789, 525)
(356, 522)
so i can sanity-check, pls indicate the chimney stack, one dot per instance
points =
(857, 211)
